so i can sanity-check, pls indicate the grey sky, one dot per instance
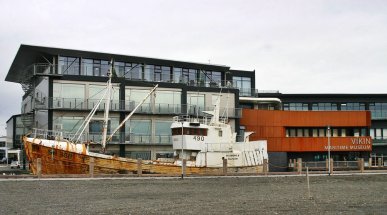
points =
(294, 46)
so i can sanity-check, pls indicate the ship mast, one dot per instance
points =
(107, 107)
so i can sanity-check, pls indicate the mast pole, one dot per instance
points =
(107, 108)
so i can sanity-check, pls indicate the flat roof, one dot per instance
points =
(29, 54)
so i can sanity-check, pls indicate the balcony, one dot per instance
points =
(127, 106)
(95, 138)
(144, 139)
(379, 142)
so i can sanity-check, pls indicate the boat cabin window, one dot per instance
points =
(220, 133)
(190, 131)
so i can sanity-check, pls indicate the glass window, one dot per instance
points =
(292, 132)
(168, 102)
(163, 127)
(96, 67)
(378, 110)
(166, 74)
(163, 131)
(343, 132)
(243, 84)
(69, 90)
(321, 132)
(324, 106)
(68, 65)
(297, 106)
(119, 69)
(177, 75)
(105, 67)
(70, 124)
(133, 97)
(145, 155)
(299, 132)
(378, 133)
(352, 106)
(97, 91)
(306, 132)
(138, 131)
(87, 65)
(185, 75)
(335, 132)
(210, 78)
(195, 103)
(192, 78)
(372, 133)
(149, 72)
(133, 71)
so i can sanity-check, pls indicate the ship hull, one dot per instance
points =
(59, 161)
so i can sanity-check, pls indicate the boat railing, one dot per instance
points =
(88, 137)
(52, 134)
(188, 118)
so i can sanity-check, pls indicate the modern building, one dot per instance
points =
(317, 112)
(61, 87)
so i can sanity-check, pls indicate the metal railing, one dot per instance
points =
(146, 108)
(95, 138)
(323, 165)
(145, 139)
(53, 69)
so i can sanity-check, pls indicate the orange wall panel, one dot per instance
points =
(270, 126)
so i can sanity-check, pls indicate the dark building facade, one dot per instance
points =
(61, 87)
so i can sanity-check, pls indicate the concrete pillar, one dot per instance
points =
(265, 166)
(139, 167)
(299, 165)
(91, 167)
(224, 166)
(39, 167)
(361, 165)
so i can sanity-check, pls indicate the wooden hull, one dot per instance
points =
(58, 161)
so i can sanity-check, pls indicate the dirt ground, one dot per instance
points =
(365, 194)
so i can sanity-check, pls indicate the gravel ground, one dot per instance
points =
(365, 194)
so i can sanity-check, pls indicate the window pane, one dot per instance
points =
(87, 65)
(177, 76)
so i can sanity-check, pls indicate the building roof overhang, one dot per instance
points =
(28, 55)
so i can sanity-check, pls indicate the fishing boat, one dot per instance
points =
(201, 146)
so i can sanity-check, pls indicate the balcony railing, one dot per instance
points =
(144, 139)
(95, 138)
(146, 108)
(378, 115)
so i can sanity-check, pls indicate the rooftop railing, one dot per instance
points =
(84, 70)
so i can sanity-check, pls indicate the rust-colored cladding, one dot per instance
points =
(270, 125)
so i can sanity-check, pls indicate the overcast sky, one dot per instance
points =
(295, 46)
